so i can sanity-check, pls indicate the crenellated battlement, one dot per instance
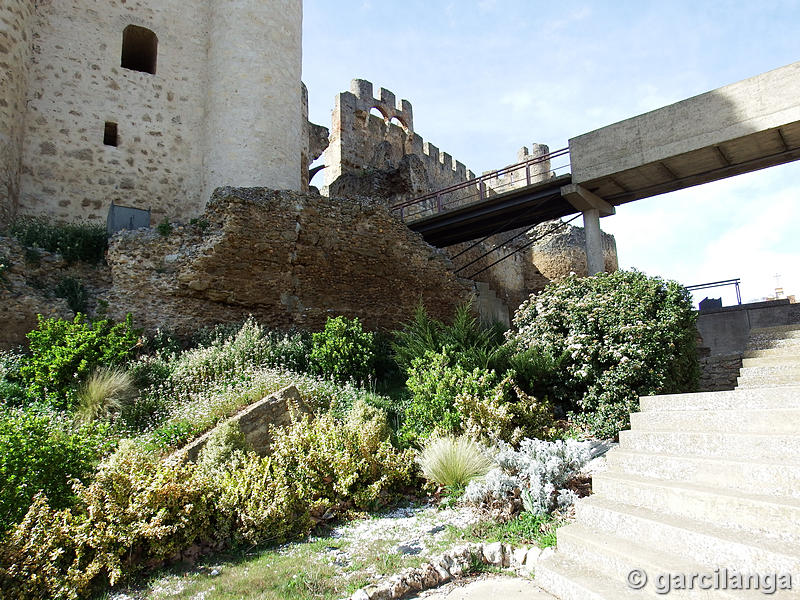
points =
(360, 140)
(387, 105)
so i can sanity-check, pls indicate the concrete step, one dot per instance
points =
(780, 370)
(703, 543)
(776, 518)
(792, 360)
(791, 344)
(568, 580)
(733, 446)
(774, 421)
(770, 352)
(749, 476)
(788, 397)
(766, 381)
(777, 332)
(616, 557)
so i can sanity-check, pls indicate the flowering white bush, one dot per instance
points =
(620, 335)
(539, 471)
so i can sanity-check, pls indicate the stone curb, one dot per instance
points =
(452, 565)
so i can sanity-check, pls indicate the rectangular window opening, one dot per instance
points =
(110, 135)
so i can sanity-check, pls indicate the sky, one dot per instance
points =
(487, 77)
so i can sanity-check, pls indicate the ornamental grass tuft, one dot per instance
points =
(453, 462)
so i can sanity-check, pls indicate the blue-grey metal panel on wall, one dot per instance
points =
(125, 217)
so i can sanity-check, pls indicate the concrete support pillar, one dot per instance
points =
(594, 241)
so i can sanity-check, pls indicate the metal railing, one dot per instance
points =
(478, 189)
(714, 284)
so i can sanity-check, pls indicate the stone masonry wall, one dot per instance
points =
(362, 142)
(718, 373)
(223, 107)
(288, 259)
(27, 288)
(15, 49)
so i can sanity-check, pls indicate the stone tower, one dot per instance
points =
(254, 94)
(15, 55)
(146, 103)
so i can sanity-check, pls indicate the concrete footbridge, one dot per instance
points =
(739, 128)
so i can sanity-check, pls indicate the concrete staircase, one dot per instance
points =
(701, 482)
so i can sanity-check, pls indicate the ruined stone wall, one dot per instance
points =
(362, 143)
(224, 105)
(15, 50)
(27, 288)
(289, 259)
(561, 253)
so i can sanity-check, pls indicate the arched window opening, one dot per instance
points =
(375, 112)
(139, 49)
(399, 123)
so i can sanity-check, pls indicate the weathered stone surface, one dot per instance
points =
(27, 285)
(718, 373)
(563, 252)
(493, 553)
(288, 259)
(224, 106)
(255, 421)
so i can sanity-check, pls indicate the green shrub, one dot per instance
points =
(453, 462)
(621, 335)
(74, 241)
(337, 465)
(74, 292)
(140, 511)
(12, 391)
(105, 393)
(137, 513)
(64, 354)
(434, 383)
(164, 228)
(224, 446)
(236, 349)
(42, 451)
(449, 399)
(474, 345)
(344, 351)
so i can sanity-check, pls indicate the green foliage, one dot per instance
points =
(201, 224)
(224, 446)
(104, 394)
(344, 351)
(434, 383)
(42, 451)
(453, 462)
(74, 241)
(64, 354)
(164, 228)
(524, 529)
(12, 392)
(449, 399)
(141, 511)
(338, 465)
(173, 434)
(621, 335)
(138, 512)
(475, 346)
(74, 292)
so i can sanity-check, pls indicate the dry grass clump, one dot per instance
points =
(106, 391)
(453, 462)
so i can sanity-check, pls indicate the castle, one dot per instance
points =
(146, 103)
(155, 104)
